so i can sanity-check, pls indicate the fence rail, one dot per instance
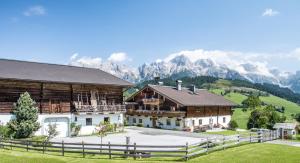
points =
(141, 151)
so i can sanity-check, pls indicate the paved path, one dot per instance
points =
(285, 142)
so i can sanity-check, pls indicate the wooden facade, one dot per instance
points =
(59, 97)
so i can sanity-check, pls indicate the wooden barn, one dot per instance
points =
(178, 108)
(64, 94)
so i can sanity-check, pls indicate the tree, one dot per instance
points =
(233, 125)
(103, 129)
(297, 117)
(264, 118)
(252, 102)
(26, 115)
(52, 132)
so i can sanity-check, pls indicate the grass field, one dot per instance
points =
(242, 117)
(247, 153)
(228, 132)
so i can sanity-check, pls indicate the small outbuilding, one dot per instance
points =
(286, 130)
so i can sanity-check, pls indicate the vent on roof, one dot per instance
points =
(193, 88)
(178, 85)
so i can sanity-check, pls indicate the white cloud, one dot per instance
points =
(270, 12)
(85, 61)
(295, 54)
(118, 57)
(35, 10)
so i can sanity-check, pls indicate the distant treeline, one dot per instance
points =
(205, 81)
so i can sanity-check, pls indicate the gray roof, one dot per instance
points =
(187, 98)
(290, 126)
(43, 72)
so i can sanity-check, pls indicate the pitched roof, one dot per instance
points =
(290, 126)
(43, 72)
(187, 98)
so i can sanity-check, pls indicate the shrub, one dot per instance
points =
(139, 125)
(38, 140)
(233, 125)
(4, 131)
(297, 117)
(75, 129)
(52, 132)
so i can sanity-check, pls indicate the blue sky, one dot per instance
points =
(52, 31)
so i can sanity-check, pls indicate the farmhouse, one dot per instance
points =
(64, 94)
(178, 108)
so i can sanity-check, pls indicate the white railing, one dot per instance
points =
(100, 108)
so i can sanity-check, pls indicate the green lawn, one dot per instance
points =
(242, 117)
(246, 153)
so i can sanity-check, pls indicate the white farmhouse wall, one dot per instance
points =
(96, 120)
(4, 118)
(185, 122)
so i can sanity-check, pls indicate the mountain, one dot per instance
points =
(183, 65)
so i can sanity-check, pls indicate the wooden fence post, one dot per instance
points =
(134, 151)
(186, 151)
(1, 142)
(250, 137)
(238, 140)
(259, 137)
(83, 152)
(207, 145)
(27, 144)
(223, 142)
(62, 148)
(10, 143)
(109, 150)
(127, 145)
(44, 147)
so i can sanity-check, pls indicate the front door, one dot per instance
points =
(154, 122)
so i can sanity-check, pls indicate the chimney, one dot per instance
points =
(193, 88)
(178, 83)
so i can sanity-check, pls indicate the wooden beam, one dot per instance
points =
(71, 99)
(41, 97)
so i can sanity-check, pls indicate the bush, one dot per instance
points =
(139, 125)
(233, 125)
(297, 117)
(4, 131)
(38, 140)
(75, 129)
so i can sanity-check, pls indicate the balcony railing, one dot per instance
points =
(163, 113)
(100, 108)
(151, 101)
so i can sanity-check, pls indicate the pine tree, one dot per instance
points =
(26, 115)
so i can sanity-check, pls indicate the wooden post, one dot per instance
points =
(250, 137)
(109, 150)
(10, 144)
(259, 137)
(186, 151)
(134, 151)
(207, 145)
(223, 142)
(44, 147)
(127, 145)
(238, 141)
(62, 148)
(83, 152)
(27, 144)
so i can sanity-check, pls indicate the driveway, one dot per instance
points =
(285, 142)
(144, 136)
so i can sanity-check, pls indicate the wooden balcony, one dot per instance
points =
(156, 113)
(151, 101)
(100, 108)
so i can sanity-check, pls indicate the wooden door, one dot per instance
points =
(154, 122)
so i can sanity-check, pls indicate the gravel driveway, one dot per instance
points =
(144, 136)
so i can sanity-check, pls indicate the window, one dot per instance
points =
(224, 119)
(140, 121)
(168, 122)
(133, 120)
(200, 121)
(75, 119)
(177, 122)
(193, 122)
(106, 119)
(88, 121)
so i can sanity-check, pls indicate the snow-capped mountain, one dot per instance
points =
(181, 65)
